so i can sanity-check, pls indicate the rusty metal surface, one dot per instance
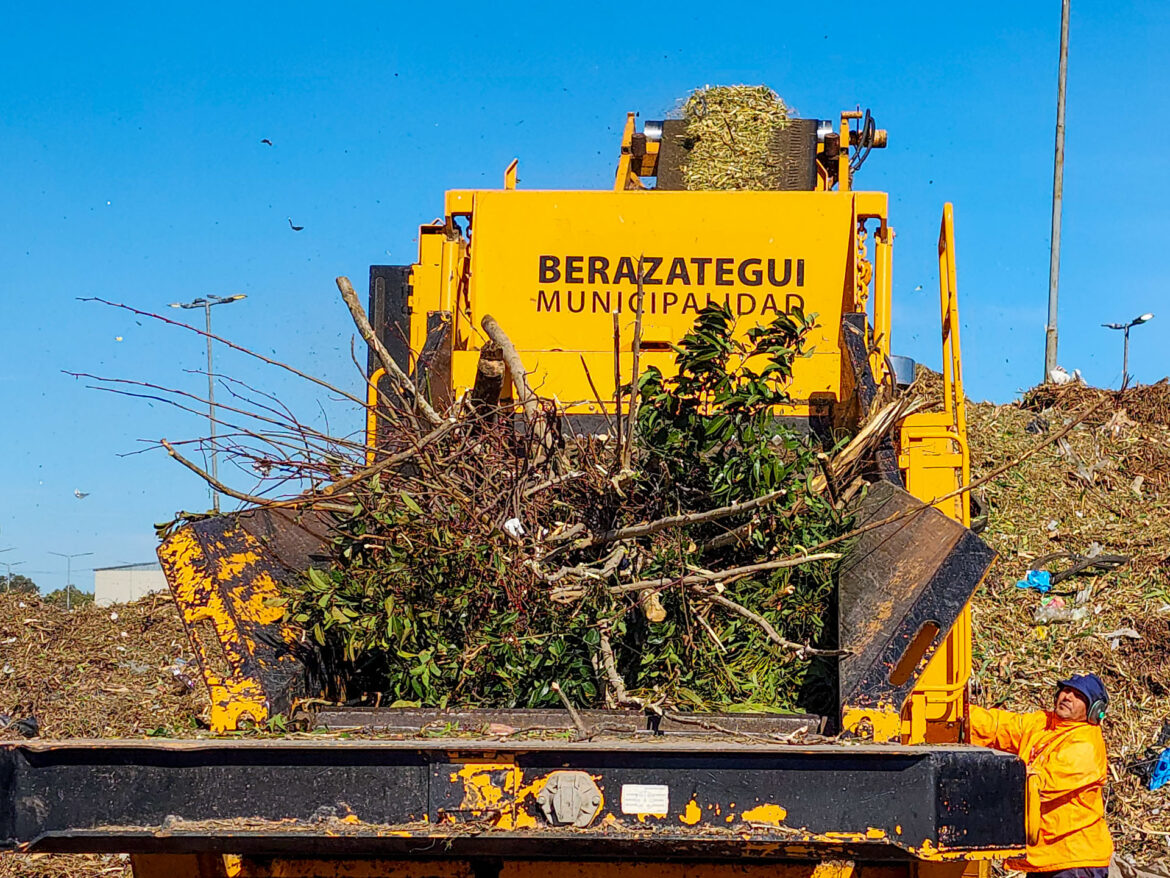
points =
(294, 539)
(223, 573)
(921, 568)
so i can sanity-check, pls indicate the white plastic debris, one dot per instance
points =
(1060, 375)
(1114, 637)
(513, 528)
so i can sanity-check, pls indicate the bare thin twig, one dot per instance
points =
(249, 498)
(405, 386)
(393, 460)
(230, 344)
(636, 348)
(553, 482)
(596, 395)
(617, 390)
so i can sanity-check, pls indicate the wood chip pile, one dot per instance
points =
(731, 128)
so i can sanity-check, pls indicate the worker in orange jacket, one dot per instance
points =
(1067, 768)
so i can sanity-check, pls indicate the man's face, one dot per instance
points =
(1071, 705)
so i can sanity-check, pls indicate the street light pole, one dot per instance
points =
(8, 582)
(205, 303)
(1126, 327)
(8, 578)
(69, 574)
(1057, 199)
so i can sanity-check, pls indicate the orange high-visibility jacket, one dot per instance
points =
(1070, 765)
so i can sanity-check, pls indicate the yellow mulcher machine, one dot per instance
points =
(896, 792)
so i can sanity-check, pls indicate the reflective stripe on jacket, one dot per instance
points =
(1069, 760)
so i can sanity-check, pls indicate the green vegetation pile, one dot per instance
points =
(730, 130)
(669, 561)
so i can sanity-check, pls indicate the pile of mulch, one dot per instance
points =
(731, 128)
(97, 672)
(1106, 485)
(1144, 403)
(65, 866)
(94, 672)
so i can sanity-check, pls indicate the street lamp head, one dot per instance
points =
(222, 300)
(1114, 325)
(1142, 319)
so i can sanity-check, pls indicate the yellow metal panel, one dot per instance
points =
(552, 266)
(201, 602)
(427, 285)
(936, 460)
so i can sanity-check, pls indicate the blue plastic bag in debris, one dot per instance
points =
(1040, 580)
(1161, 773)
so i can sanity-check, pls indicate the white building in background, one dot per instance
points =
(129, 582)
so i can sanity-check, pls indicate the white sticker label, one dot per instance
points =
(639, 798)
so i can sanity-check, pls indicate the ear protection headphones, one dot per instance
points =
(1097, 711)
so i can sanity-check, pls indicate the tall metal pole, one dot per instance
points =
(211, 410)
(8, 578)
(8, 587)
(206, 303)
(1125, 361)
(1057, 197)
(69, 574)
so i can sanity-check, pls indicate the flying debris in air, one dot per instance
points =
(294, 228)
(80, 495)
(266, 140)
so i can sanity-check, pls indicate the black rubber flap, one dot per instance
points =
(901, 587)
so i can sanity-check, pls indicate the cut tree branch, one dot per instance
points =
(515, 365)
(576, 717)
(652, 527)
(405, 386)
(616, 683)
(720, 575)
(801, 649)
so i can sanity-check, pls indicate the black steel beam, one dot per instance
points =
(455, 797)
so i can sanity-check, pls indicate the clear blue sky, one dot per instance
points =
(133, 170)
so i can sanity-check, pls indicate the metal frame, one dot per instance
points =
(454, 797)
